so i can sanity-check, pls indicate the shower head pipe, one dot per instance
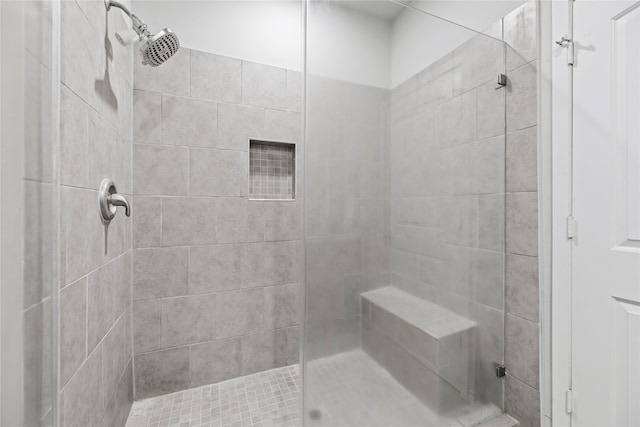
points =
(139, 26)
(157, 48)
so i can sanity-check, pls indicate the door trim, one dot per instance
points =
(555, 155)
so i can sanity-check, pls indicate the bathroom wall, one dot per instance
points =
(27, 212)
(216, 276)
(229, 27)
(419, 40)
(452, 155)
(96, 379)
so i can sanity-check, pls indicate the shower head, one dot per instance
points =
(156, 48)
(159, 48)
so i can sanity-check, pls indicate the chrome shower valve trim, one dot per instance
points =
(109, 200)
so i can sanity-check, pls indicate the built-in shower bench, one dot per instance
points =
(425, 346)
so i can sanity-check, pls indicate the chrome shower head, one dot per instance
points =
(157, 48)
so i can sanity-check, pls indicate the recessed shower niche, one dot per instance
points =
(271, 170)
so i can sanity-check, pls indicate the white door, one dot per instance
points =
(606, 251)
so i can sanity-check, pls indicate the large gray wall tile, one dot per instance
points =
(522, 160)
(237, 124)
(282, 221)
(214, 268)
(522, 223)
(293, 345)
(161, 272)
(522, 402)
(114, 358)
(187, 121)
(100, 304)
(82, 396)
(264, 86)
(161, 372)
(520, 35)
(435, 83)
(281, 306)
(477, 61)
(240, 220)
(455, 120)
(215, 77)
(80, 61)
(188, 221)
(491, 219)
(270, 263)
(90, 147)
(239, 312)
(74, 132)
(283, 126)
(146, 325)
(490, 110)
(172, 77)
(218, 173)
(215, 361)
(188, 320)
(160, 170)
(522, 291)
(122, 285)
(489, 283)
(73, 328)
(522, 348)
(147, 117)
(522, 106)
(262, 351)
(147, 222)
(487, 159)
(294, 91)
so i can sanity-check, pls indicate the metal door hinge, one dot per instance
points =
(568, 43)
(571, 227)
(568, 404)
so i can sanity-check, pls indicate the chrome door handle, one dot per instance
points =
(109, 200)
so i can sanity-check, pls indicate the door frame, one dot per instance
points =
(555, 195)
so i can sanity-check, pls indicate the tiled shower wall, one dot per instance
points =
(216, 276)
(96, 375)
(454, 166)
(522, 321)
(345, 212)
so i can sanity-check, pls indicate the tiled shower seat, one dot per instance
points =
(425, 346)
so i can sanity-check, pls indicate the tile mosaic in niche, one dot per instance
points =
(271, 170)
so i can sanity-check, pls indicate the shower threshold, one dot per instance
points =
(345, 390)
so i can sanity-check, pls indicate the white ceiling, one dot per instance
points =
(384, 9)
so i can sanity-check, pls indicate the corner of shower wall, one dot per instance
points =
(95, 304)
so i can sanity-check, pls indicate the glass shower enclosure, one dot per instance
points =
(404, 217)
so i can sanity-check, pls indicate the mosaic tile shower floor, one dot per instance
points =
(346, 390)
(269, 398)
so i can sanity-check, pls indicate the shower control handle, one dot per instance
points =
(118, 200)
(109, 200)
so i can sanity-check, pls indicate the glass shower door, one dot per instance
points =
(404, 217)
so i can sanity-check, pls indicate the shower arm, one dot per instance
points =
(139, 26)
